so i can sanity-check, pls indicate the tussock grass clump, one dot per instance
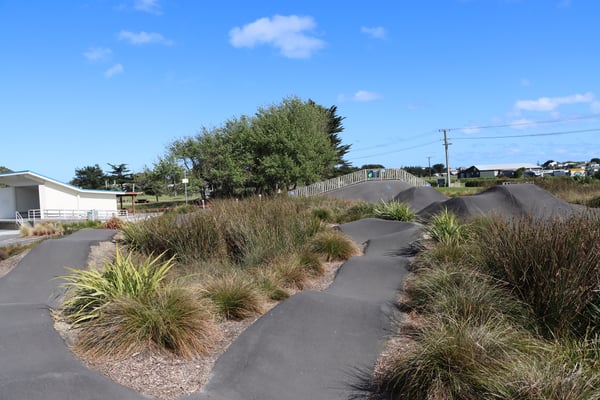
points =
(454, 359)
(128, 305)
(171, 319)
(552, 265)
(394, 210)
(444, 227)
(333, 245)
(456, 292)
(89, 291)
(560, 373)
(246, 233)
(42, 229)
(356, 211)
(234, 296)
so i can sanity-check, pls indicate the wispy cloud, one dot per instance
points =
(595, 106)
(525, 82)
(289, 34)
(552, 103)
(114, 70)
(140, 38)
(360, 96)
(376, 32)
(96, 54)
(149, 6)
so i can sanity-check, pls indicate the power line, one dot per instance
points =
(397, 151)
(528, 134)
(551, 121)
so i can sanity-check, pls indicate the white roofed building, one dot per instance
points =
(36, 197)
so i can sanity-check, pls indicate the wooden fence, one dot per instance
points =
(363, 175)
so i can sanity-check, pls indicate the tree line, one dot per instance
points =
(280, 147)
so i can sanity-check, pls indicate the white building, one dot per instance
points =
(36, 197)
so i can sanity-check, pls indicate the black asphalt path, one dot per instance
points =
(317, 345)
(35, 363)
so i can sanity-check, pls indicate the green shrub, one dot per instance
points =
(333, 245)
(394, 210)
(551, 264)
(234, 296)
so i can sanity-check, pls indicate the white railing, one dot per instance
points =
(65, 214)
(353, 178)
(19, 219)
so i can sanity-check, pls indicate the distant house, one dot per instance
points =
(36, 197)
(496, 170)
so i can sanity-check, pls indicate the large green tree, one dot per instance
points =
(333, 127)
(120, 175)
(281, 146)
(291, 145)
(89, 177)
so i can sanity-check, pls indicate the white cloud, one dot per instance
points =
(96, 54)
(149, 6)
(286, 33)
(142, 37)
(552, 103)
(377, 32)
(360, 96)
(114, 70)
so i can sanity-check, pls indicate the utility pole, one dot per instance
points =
(429, 165)
(447, 162)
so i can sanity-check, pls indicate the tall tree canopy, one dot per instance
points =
(89, 177)
(281, 146)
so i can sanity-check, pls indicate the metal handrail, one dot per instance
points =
(19, 219)
(66, 214)
(360, 176)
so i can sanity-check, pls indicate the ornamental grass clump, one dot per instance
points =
(234, 296)
(444, 227)
(394, 210)
(89, 291)
(171, 319)
(130, 305)
(454, 359)
(456, 292)
(553, 265)
(333, 245)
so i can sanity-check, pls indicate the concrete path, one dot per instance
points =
(35, 363)
(317, 345)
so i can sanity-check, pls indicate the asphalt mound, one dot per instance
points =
(420, 197)
(506, 200)
(371, 191)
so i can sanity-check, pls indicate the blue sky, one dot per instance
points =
(103, 81)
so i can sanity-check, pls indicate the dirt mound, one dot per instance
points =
(506, 200)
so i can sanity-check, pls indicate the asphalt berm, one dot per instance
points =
(315, 345)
